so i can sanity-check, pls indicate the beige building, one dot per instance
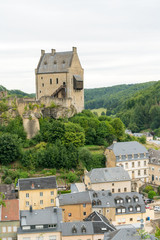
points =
(37, 192)
(60, 76)
(154, 166)
(133, 157)
(114, 179)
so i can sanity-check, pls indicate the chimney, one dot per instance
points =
(53, 51)
(42, 52)
(30, 209)
(74, 49)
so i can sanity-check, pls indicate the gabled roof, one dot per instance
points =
(74, 198)
(103, 175)
(11, 211)
(126, 148)
(67, 228)
(37, 183)
(57, 62)
(154, 156)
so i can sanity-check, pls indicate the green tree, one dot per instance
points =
(118, 128)
(85, 157)
(148, 188)
(2, 197)
(151, 194)
(10, 148)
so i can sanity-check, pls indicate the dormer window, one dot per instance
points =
(99, 202)
(63, 64)
(138, 208)
(121, 209)
(119, 200)
(130, 209)
(135, 198)
(74, 229)
(93, 203)
(83, 229)
(95, 195)
(128, 199)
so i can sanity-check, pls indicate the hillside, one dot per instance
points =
(17, 93)
(111, 98)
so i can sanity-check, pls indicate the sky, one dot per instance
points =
(118, 41)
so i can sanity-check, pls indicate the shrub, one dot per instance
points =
(7, 180)
(71, 177)
(148, 188)
(151, 194)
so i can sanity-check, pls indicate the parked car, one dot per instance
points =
(157, 208)
(147, 207)
(148, 200)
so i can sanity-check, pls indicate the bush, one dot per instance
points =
(148, 188)
(7, 180)
(71, 177)
(151, 194)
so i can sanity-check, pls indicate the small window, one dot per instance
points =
(27, 203)
(145, 172)
(69, 214)
(9, 229)
(3, 229)
(39, 226)
(107, 210)
(27, 195)
(84, 205)
(132, 164)
(139, 172)
(14, 229)
(42, 84)
(112, 190)
(123, 210)
(40, 91)
(126, 165)
(52, 193)
(112, 184)
(56, 80)
(41, 202)
(138, 209)
(145, 163)
(41, 194)
(131, 219)
(41, 77)
(84, 213)
(50, 80)
(119, 190)
(54, 237)
(118, 210)
(125, 189)
(52, 201)
(139, 164)
(131, 209)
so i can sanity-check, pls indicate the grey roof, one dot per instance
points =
(74, 198)
(154, 156)
(37, 183)
(125, 148)
(124, 234)
(107, 199)
(45, 217)
(102, 175)
(67, 228)
(57, 62)
(77, 187)
(138, 134)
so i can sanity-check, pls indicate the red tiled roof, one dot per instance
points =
(11, 211)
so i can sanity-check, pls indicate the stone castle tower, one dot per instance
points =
(59, 75)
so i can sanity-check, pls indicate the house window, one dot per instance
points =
(131, 209)
(26, 227)
(126, 165)
(84, 205)
(41, 194)
(145, 163)
(27, 203)
(112, 184)
(52, 237)
(139, 164)
(131, 219)
(14, 229)
(56, 80)
(42, 84)
(41, 77)
(139, 172)
(138, 209)
(27, 195)
(9, 229)
(121, 201)
(129, 156)
(119, 210)
(145, 172)
(123, 210)
(112, 190)
(152, 168)
(69, 214)
(132, 164)
(50, 80)
(141, 155)
(3, 229)
(117, 201)
(119, 190)
(84, 213)
(41, 202)
(156, 178)
(9, 238)
(40, 91)
(39, 226)
(52, 200)
(125, 189)
(52, 193)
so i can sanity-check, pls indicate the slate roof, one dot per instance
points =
(126, 148)
(102, 175)
(59, 62)
(74, 198)
(77, 187)
(67, 228)
(45, 217)
(37, 183)
(11, 211)
(124, 234)
(154, 156)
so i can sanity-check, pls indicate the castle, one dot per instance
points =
(59, 76)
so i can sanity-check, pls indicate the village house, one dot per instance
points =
(60, 76)
(148, 135)
(154, 166)
(9, 191)
(9, 219)
(75, 206)
(93, 227)
(115, 179)
(133, 157)
(37, 192)
(40, 224)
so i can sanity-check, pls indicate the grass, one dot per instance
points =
(94, 149)
(99, 111)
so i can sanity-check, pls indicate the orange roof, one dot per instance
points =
(11, 211)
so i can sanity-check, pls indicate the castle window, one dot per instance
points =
(50, 80)
(42, 84)
(41, 77)
(56, 80)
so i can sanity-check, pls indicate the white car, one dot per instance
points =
(157, 208)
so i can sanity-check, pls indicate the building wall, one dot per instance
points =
(110, 158)
(114, 187)
(154, 173)
(76, 211)
(8, 229)
(35, 236)
(79, 237)
(34, 198)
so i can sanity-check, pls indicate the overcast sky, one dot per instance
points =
(118, 41)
